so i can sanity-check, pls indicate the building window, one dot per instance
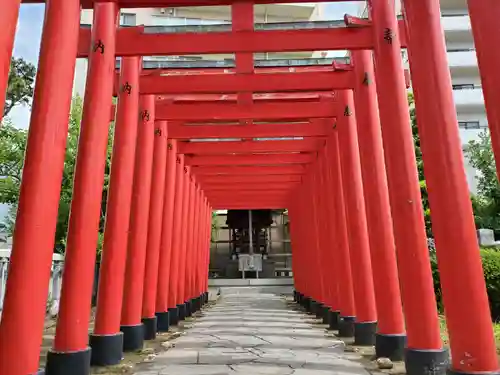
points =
(469, 125)
(460, 49)
(460, 14)
(128, 19)
(466, 86)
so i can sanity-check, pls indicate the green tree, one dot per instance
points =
(420, 166)
(12, 146)
(486, 203)
(20, 85)
(15, 157)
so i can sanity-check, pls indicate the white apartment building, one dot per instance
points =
(163, 18)
(464, 73)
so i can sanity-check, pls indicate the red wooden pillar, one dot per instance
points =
(390, 338)
(164, 276)
(347, 312)
(314, 241)
(122, 263)
(176, 240)
(206, 223)
(23, 315)
(206, 246)
(195, 249)
(330, 261)
(198, 213)
(202, 272)
(189, 246)
(185, 240)
(464, 292)
(417, 290)
(8, 20)
(315, 281)
(194, 259)
(296, 254)
(87, 192)
(322, 245)
(304, 215)
(156, 202)
(79, 262)
(306, 257)
(484, 16)
(297, 250)
(199, 246)
(366, 314)
(123, 158)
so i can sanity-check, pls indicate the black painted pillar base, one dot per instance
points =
(195, 304)
(150, 328)
(333, 320)
(107, 350)
(319, 310)
(418, 362)
(307, 303)
(74, 363)
(163, 321)
(326, 314)
(173, 313)
(364, 333)
(313, 305)
(346, 326)
(390, 346)
(199, 304)
(450, 371)
(188, 308)
(133, 337)
(181, 308)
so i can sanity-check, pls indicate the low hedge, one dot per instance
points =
(491, 268)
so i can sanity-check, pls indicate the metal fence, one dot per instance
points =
(54, 287)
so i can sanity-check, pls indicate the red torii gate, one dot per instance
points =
(366, 160)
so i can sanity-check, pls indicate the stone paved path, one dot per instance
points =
(253, 334)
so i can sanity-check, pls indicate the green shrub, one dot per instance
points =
(491, 268)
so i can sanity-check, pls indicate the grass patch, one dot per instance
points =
(445, 338)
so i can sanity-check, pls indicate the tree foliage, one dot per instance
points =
(12, 159)
(21, 84)
(486, 203)
(420, 166)
(12, 146)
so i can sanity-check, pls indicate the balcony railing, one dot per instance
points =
(472, 97)
(462, 57)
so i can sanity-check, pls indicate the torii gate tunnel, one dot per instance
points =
(347, 176)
